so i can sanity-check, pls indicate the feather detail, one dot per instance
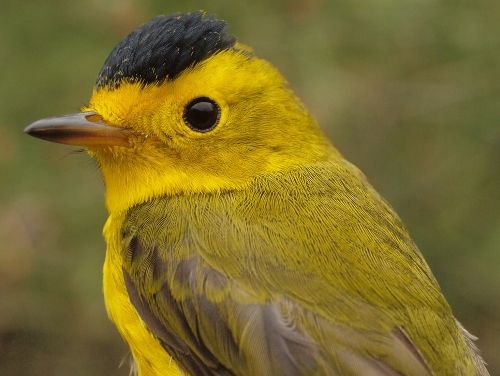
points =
(474, 351)
(226, 293)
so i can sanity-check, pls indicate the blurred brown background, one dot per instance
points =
(408, 90)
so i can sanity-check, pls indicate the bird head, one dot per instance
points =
(181, 107)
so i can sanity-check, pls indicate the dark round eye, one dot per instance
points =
(202, 114)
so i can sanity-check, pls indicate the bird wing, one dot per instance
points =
(238, 335)
(287, 278)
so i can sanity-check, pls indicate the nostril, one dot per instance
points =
(94, 118)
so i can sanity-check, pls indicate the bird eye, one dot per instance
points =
(202, 114)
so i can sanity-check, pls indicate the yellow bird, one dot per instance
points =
(239, 240)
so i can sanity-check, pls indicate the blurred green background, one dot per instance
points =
(407, 90)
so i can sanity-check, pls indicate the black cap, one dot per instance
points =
(164, 47)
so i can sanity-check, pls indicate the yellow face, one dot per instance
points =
(262, 128)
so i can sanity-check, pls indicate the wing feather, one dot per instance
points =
(250, 283)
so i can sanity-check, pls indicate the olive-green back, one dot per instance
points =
(305, 272)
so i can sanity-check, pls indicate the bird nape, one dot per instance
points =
(239, 241)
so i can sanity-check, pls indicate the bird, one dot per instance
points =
(239, 240)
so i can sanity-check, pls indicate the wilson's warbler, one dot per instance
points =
(240, 242)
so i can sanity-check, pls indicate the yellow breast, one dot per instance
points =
(143, 344)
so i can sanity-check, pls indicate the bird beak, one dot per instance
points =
(80, 129)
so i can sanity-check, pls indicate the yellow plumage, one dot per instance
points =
(240, 242)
